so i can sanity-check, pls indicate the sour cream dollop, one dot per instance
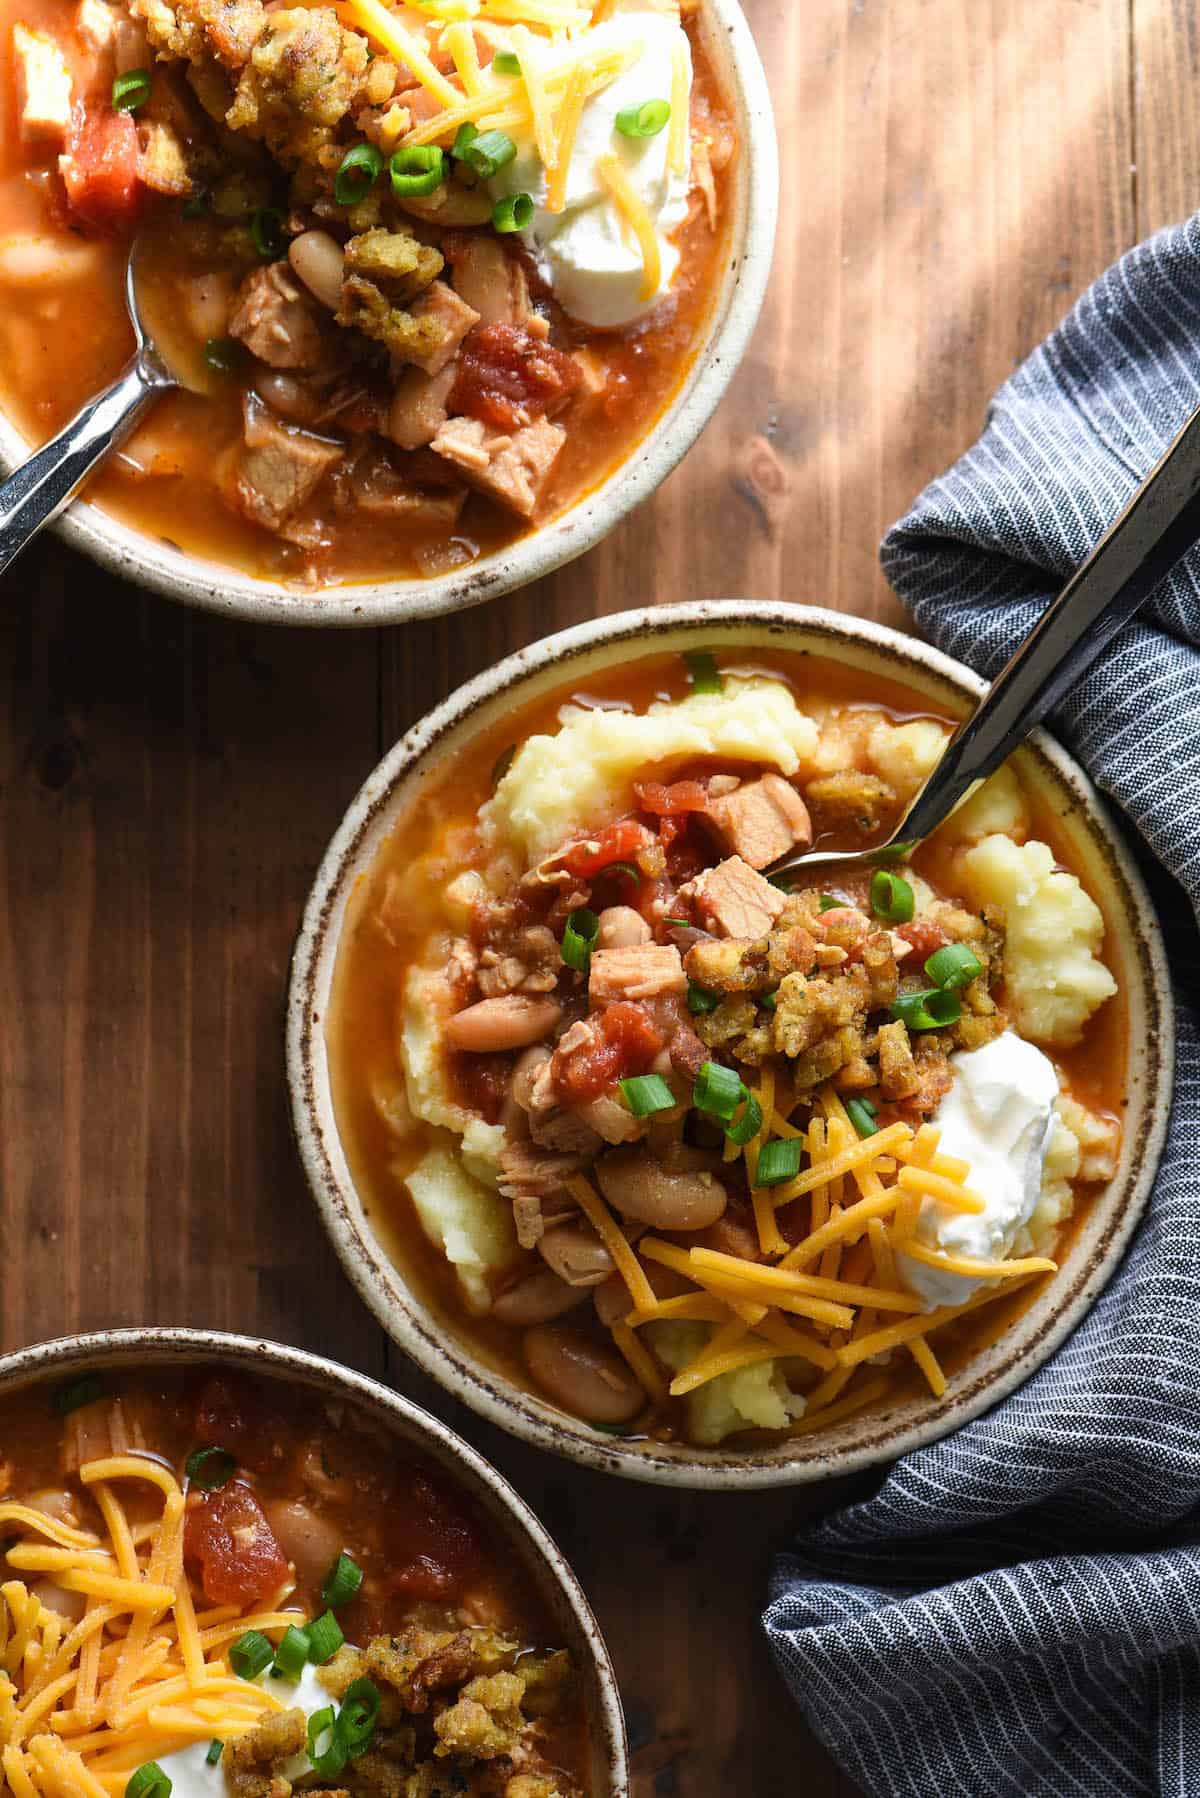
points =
(999, 1116)
(188, 1769)
(585, 252)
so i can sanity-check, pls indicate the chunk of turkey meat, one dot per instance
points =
(642, 971)
(280, 467)
(440, 306)
(761, 820)
(278, 320)
(512, 469)
(733, 900)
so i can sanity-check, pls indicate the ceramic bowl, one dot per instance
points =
(570, 658)
(216, 587)
(514, 1523)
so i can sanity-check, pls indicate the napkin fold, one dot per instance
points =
(1016, 1612)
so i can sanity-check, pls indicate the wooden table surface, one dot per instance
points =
(954, 172)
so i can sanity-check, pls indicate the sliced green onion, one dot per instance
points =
(330, 1759)
(222, 355)
(778, 1161)
(827, 902)
(487, 152)
(705, 675)
(129, 91)
(953, 966)
(680, 923)
(782, 881)
(701, 1000)
(341, 1582)
(357, 174)
(416, 170)
(579, 939)
(197, 206)
(216, 1749)
(251, 1654)
(324, 1638)
(358, 1716)
(209, 1468)
(291, 1657)
(505, 63)
(930, 1010)
(149, 1781)
(718, 1090)
(768, 1000)
(464, 138)
(80, 1392)
(647, 1093)
(892, 899)
(646, 120)
(746, 1127)
(512, 214)
(862, 1115)
(266, 228)
(625, 868)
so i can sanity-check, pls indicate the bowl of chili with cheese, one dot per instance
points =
(451, 288)
(231, 1567)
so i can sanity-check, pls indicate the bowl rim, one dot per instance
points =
(381, 1284)
(211, 586)
(501, 1502)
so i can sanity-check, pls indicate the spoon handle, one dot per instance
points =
(37, 491)
(1158, 526)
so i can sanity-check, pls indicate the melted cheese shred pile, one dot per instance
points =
(834, 1299)
(141, 1674)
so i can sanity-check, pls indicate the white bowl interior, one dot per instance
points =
(215, 587)
(514, 1523)
(1133, 939)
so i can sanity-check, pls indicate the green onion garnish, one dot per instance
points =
(778, 1161)
(358, 1717)
(680, 923)
(702, 668)
(782, 881)
(357, 174)
(861, 1113)
(209, 1468)
(647, 1093)
(768, 1000)
(330, 1759)
(222, 354)
(505, 63)
(827, 902)
(718, 1090)
(129, 91)
(512, 214)
(341, 1582)
(746, 1127)
(579, 939)
(701, 1000)
(646, 120)
(149, 1781)
(487, 152)
(953, 966)
(892, 899)
(251, 1654)
(628, 869)
(324, 1638)
(291, 1657)
(197, 206)
(266, 228)
(463, 140)
(216, 1749)
(80, 1392)
(930, 1010)
(416, 170)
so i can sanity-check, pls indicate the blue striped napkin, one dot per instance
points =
(1016, 1612)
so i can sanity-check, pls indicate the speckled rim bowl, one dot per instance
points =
(213, 587)
(859, 1442)
(514, 1523)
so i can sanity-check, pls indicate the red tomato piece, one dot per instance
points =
(925, 937)
(668, 802)
(626, 1041)
(229, 1537)
(616, 843)
(100, 170)
(507, 378)
(234, 1414)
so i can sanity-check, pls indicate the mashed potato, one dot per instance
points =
(997, 809)
(582, 777)
(905, 755)
(429, 1095)
(749, 1398)
(470, 1224)
(1053, 936)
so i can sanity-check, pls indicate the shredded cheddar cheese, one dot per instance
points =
(636, 214)
(624, 1259)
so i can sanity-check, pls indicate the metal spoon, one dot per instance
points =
(37, 491)
(1158, 526)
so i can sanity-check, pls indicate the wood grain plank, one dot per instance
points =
(1165, 52)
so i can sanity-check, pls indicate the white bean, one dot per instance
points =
(68, 1605)
(622, 928)
(317, 259)
(512, 1022)
(585, 1378)
(309, 1541)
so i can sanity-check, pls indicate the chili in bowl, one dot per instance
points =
(684, 1174)
(230, 1567)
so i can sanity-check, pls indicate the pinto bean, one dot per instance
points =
(52, 1501)
(576, 1254)
(529, 1066)
(536, 1299)
(512, 1022)
(287, 395)
(622, 928)
(68, 1605)
(584, 1377)
(317, 259)
(308, 1540)
(679, 1194)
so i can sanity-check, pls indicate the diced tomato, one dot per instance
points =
(616, 843)
(422, 1578)
(508, 378)
(925, 937)
(668, 802)
(232, 1542)
(626, 1041)
(100, 170)
(236, 1415)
